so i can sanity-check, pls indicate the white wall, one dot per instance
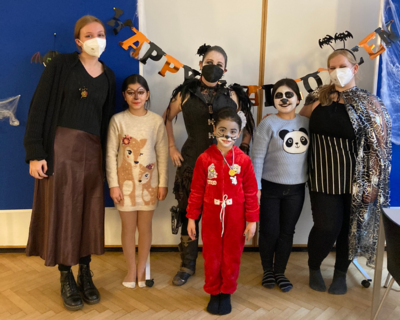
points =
(179, 27)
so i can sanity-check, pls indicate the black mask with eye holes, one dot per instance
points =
(212, 73)
(284, 100)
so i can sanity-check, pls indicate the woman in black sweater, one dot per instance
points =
(65, 134)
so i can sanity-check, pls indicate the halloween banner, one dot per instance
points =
(173, 65)
(135, 44)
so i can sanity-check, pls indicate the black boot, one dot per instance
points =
(189, 250)
(69, 291)
(213, 305)
(225, 306)
(86, 286)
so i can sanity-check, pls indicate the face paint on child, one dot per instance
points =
(285, 100)
(226, 133)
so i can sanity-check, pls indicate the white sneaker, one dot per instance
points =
(142, 284)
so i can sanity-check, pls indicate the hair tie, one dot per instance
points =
(201, 51)
(243, 118)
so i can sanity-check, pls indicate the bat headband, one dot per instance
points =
(343, 36)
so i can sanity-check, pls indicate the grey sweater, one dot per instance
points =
(279, 151)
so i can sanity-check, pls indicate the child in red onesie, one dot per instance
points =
(224, 188)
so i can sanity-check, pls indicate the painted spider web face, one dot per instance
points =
(8, 107)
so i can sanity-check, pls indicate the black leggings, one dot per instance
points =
(280, 210)
(83, 260)
(331, 215)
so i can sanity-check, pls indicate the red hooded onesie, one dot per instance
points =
(227, 203)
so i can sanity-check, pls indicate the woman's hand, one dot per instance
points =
(38, 168)
(191, 228)
(259, 196)
(250, 230)
(162, 193)
(176, 156)
(116, 195)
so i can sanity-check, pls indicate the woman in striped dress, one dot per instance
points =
(349, 165)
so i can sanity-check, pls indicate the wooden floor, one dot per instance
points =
(29, 290)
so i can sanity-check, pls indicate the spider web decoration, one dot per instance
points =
(8, 107)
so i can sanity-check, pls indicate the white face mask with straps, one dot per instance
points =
(94, 47)
(341, 76)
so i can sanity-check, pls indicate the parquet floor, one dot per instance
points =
(29, 290)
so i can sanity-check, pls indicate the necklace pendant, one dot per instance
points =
(84, 92)
(232, 173)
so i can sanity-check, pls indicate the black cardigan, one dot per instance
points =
(45, 109)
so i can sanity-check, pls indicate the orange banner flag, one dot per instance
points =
(167, 65)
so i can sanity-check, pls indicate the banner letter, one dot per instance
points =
(138, 37)
(167, 65)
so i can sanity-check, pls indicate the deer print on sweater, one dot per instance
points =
(148, 192)
(131, 152)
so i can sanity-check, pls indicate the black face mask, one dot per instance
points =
(212, 73)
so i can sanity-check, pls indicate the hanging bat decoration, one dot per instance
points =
(127, 23)
(343, 36)
(116, 22)
(46, 59)
(117, 14)
(327, 40)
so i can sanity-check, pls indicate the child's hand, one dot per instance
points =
(162, 193)
(176, 156)
(191, 228)
(259, 196)
(116, 194)
(250, 230)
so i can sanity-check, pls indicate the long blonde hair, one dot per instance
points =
(326, 91)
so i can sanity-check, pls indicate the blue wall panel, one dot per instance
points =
(28, 27)
(395, 174)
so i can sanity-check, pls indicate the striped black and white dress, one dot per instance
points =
(332, 151)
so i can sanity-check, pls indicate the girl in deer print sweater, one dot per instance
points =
(137, 163)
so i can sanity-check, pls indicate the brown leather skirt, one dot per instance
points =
(68, 207)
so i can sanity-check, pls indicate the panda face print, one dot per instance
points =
(295, 141)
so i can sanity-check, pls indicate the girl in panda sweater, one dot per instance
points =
(279, 156)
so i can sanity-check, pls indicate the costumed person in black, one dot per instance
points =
(199, 100)
(349, 168)
(65, 139)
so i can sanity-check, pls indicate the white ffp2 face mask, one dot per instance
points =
(94, 47)
(341, 76)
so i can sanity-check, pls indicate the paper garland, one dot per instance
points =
(172, 65)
